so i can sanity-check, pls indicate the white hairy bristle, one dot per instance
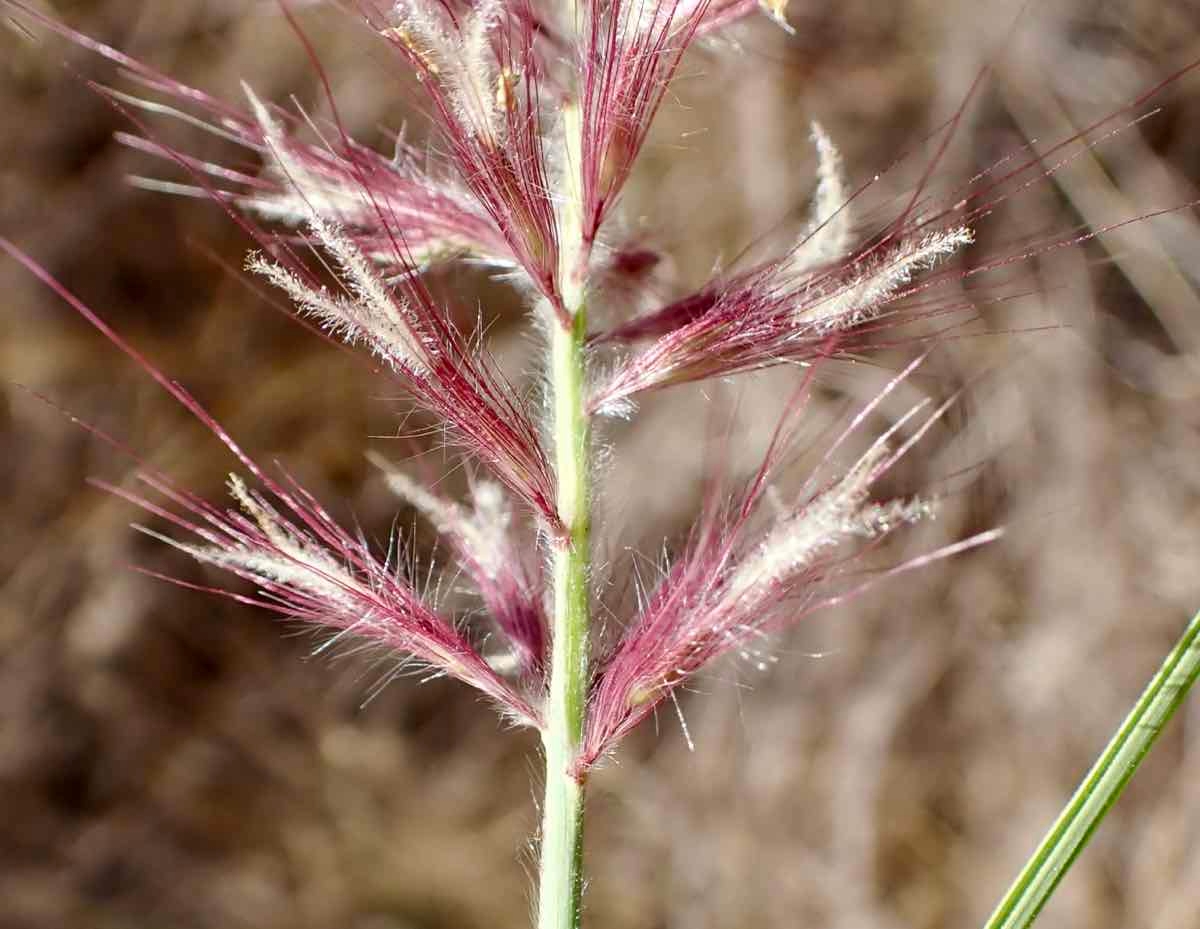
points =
(827, 235)
(862, 298)
(482, 533)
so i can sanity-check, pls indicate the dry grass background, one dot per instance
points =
(172, 761)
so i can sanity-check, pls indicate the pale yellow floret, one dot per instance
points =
(405, 37)
(506, 83)
(777, 10)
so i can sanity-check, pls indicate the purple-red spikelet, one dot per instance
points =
(822, 297)
(738, 580)
(404, 327)
(491, 422)
(307, 568)
(631, 49)
(478, 66)
(305, 565)
(761, 319)
(347, 183)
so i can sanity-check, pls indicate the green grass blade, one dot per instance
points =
(1102, 786)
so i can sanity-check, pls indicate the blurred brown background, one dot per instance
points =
(169, 760)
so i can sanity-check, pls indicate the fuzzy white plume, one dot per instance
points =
(863, 297)
(481, 532)
(827, 236)
(462, 59)
(834, 516)
(368, 312)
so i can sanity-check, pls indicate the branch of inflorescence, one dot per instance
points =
(560, 889)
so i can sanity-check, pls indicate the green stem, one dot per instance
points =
(1102, 786)
(561, 880)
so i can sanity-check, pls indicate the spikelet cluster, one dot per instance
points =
(309, 569)
(743, 574)
(346, 233)
(306, 566)
(821, 298)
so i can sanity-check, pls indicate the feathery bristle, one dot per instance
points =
(482, 541)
